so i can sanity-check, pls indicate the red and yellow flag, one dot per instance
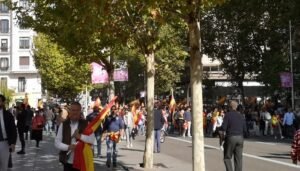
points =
(134, 105)
(83, 155)
(172, 105)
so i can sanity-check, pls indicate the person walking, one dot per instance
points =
(113, 129)
(266, 119)
(49, 116)
(158, 124)
(276, 124)
(62, 116)
(29, 117)
(69, 132)
(38, 123)
(188, 120)
(21, 125)
(98, 133)
(218, 125)
(141, 122)
(129, 124)
(232, 132)
(288, 121)
(8, 134)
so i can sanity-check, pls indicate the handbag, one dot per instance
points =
(62, 157)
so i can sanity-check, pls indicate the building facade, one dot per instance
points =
(17, 68)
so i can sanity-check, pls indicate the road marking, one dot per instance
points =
(264, 143)
(244, 154)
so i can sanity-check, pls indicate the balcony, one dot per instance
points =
(4, 50)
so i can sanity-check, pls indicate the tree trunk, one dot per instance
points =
(110, 72)
(148, 153)
(111, 85)
(196, 86)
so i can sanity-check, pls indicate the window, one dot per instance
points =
(24, 62)
(3, 83)
(4, 64)
(4, 45)
(22, 26)
(206, 68)
(24, 3)
(4, 26)
(21, 84)
(214, 68)
(24, 43)
(3, 8)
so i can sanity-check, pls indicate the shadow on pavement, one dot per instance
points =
(131, 149)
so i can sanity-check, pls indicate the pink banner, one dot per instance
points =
(286, 79)
(99, 74)
(121, 74)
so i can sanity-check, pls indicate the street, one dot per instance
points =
(176, 155)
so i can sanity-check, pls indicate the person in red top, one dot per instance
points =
(38, 123)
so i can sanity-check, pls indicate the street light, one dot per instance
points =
(291, 65)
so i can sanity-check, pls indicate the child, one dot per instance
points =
(275, 121)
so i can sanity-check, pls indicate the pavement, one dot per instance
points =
(45, 158)
(262, 153)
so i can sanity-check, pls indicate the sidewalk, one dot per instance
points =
(45, 158)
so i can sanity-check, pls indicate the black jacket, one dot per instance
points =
(159, 120)
(10, 127)
(21, 117)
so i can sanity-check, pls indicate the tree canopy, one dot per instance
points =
(62, 74)
(248, 38)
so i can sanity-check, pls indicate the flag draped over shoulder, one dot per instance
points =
(83, 155)
(172, 105)
(134, 105)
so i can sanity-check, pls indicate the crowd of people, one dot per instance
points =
(280, 123)
(125, 122)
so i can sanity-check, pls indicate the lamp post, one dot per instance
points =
(86, 99)
(291, 64)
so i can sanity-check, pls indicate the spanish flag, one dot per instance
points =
(83, 155)
(134, 105)
(172, 105)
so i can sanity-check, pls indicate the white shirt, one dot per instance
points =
(2, 124)
(218, 123)
(64, 147)
(128, 119)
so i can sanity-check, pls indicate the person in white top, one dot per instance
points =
(69, 132)
(266, 118)
(128, 120)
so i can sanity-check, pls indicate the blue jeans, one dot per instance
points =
(111, 151)
(157, 140)
(128, 135)
(49, 126)
(98, 136)
(141, 129)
